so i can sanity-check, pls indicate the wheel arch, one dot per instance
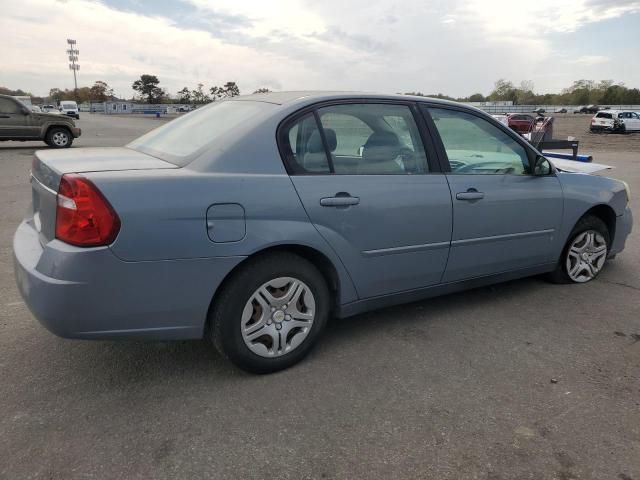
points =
(318, 259)
(50, 127)
(606, 214)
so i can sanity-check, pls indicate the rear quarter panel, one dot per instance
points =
(163, 215)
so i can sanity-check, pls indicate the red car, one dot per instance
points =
(521, 123)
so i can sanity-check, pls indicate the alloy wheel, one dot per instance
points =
(60, 139)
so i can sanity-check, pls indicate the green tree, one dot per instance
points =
(229, 89)
(100, 91)
(147, 86)
(476, 97)
(184, 95)
(199, 96)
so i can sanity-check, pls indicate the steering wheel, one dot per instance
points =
(408, 157)
(456, 165)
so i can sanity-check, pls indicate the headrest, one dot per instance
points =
(314, 144)
(381, 147)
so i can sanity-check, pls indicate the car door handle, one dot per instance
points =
(470, 195)
(340, 200)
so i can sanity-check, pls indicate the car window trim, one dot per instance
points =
(291, 166)
(531, 152)
(325, 143)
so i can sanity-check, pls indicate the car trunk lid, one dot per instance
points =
(50, 165)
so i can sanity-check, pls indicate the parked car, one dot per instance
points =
(560, 110)
(50, 109)
(70, 108)
(36, 109)
(521, 122)
(252, 220)
(587, 109)
(539, 111)
(615, 121)
(19, 122)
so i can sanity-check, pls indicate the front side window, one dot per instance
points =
(373, 139)
(476, 146)
(8, 106)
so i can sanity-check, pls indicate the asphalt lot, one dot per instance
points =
(458, 387)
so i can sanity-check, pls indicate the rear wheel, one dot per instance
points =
(585, 253)
(59, 137)
(270, 313)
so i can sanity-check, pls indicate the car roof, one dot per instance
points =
(302, 98)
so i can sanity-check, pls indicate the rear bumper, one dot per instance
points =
(601, 128)
(92, 294)
(624, 225)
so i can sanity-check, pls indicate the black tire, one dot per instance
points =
(589, 222)
(77, 117)
(226, 313)
(53, 136)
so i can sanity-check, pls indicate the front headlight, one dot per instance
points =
(627, 189)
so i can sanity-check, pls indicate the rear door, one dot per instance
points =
(14, 123)
(504, 218)
(631, 121)
(373, 192)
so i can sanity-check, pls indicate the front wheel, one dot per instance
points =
(59, 137)
(585, 253)
(270, 313)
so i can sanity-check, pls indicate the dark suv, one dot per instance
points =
(18, 122)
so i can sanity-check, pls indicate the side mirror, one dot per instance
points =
(541, 166)
(26, 111)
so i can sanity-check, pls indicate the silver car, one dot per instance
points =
(251, 221)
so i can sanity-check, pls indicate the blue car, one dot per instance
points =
(251, 221)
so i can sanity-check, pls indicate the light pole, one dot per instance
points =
(73, 58)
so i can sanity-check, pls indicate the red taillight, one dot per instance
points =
(83, 216)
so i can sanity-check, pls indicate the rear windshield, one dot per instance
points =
(604, 115)
(181, 140)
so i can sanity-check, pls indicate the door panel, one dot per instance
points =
(513, 226)
(504, 218)
(395, 238)
(13, 123)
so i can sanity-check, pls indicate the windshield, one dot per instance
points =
(183, 139)
(69, 105)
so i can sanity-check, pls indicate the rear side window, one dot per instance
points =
(357, 139)
(8, 106)
(306, 146)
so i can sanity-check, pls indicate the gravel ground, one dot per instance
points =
(522, 380)
(577, 125)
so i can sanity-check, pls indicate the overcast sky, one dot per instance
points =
(456, 47)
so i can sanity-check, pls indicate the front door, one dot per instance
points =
(504, 218)
(369, 189)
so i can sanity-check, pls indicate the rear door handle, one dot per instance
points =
(470, 195)
(340, 200)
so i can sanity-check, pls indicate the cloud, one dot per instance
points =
(590, 60)
(450, 46)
